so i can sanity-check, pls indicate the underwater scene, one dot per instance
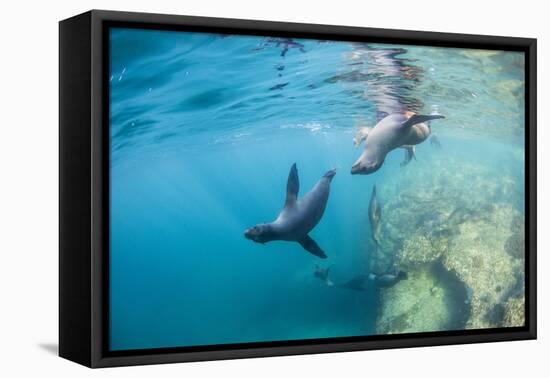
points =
(273, 189)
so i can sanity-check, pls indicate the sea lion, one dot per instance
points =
(375, 212)
(357, 283)
(392, 132)
(322, 274)
(361, 134)
(297, 218)
(387, 279)
(419, 133)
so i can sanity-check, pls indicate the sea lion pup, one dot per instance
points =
(322, 274)
(297, 218)
(394, 131)
(387, 279)
(375, 212)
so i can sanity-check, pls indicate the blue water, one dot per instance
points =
(204, 129)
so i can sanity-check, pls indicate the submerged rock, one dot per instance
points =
(479, 257)
(463, 250)
(418, 250)
(436, 304)
(514, 312)
(401, 312)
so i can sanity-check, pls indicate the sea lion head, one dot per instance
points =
(367, 163)
(260, 233)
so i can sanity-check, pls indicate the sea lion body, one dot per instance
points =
(387, 279)
(298, 217)
(394, 131)
(418, 133)
(357, 283)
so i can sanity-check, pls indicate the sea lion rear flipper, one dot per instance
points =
(292, 186)
(311, 246)
(419, 118)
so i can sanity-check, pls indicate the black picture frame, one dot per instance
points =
(84, 194)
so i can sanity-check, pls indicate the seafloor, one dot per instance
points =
(463, 250)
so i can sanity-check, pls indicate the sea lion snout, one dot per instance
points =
(260, 233)
(356, 168)
(253, 233)
(364, 168)
(330, 174)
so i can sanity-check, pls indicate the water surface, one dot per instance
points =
(203, 131)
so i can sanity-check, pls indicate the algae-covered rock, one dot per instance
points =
(429, 221)
(417, 250)
(426, 301)
(479, 257)
(515, 245)
(413, 305)
(514, 312)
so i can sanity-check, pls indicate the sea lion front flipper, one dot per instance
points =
(410, 153)
(361, 135)
(311, 246)
(292, 186)
(419, 118)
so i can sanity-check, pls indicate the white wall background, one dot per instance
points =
(29, 174)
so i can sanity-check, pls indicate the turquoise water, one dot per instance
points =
(204, 129)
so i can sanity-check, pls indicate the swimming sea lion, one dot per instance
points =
(375, 212)
(392, 132)
(297, 218)
(387, 279)
(357, 283)
(322, 274)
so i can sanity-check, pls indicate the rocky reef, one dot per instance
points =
(437, 303)
(463, 249)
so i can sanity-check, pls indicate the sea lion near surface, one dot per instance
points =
(323, 274)
(410, 151)
(298, 217)
(375, 213)
(393, 131)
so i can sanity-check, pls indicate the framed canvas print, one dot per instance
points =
(233, 188)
